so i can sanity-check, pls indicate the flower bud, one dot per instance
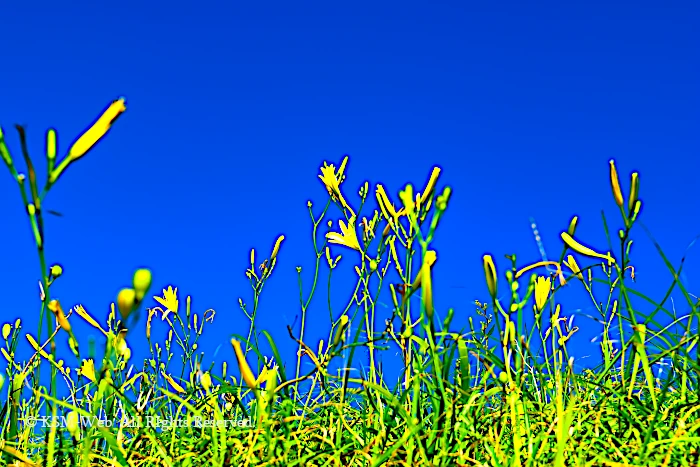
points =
(615, 184)
(490, 273)
(634, 191)
(141, 283)
(72, 423)
(126, 301)
(56, 271)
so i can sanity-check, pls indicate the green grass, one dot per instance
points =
(495, 394)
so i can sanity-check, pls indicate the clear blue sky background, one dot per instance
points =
(232, 108)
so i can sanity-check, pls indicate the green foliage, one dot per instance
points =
(495, 394)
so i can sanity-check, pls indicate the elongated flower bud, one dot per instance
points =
(615, 184)
(340, 330)
(246, 373)
(55, 307)
(490, 273)
(634, 191)
(572, 226)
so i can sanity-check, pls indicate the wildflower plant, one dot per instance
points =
(503, 391)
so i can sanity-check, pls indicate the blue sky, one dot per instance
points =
(233, 107)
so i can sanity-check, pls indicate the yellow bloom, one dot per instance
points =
(385, 205)
(584, 250)
(573, 265)
(243, 366)
(332, 180)
(615, 183)
(205, 380)
(84, 314)
(409, 202)
(87, 369)
(542, 288)
(168, 300)
(98, 129)
(172, 382)
(347, 237)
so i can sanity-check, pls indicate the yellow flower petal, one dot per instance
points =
(168, 300)
(542, 289)
(347, 237)
(84, 314)
(87, 369)
(573, 265)
(332, 180)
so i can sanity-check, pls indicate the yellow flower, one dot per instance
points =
(385, 205)
(573, 265)
(88, 139)
(205, 380)
(243, 366)
(615, 183)
(347, 237)
(332, 180)
(542, 288)
(84, 314)
(409, 201)
(168, 300)
(87, 369)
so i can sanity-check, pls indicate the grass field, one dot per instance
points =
(495, 394)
